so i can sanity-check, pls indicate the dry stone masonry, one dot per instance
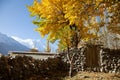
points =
(110, 60)
(107, 60)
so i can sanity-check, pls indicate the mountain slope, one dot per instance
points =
(8, 44)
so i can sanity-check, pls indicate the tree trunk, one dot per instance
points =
(70, 62)
(75, 40)
(75, 37)
(70, 70)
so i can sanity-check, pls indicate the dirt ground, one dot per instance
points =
(95, 76)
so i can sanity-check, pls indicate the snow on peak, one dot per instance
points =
(27, 42)
(40, 44)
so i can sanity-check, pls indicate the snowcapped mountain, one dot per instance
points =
(40, 44)
(9, 44)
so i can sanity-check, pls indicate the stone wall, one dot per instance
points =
(110, 60)
(105, 60)
(78, 59)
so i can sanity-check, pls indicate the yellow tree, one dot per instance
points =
(65, 38)
(68, 21)
(113, 9)
(52, 16)
(110, 20)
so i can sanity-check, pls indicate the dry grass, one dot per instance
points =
(95, 76)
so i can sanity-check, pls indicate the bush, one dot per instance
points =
(34, 50)
(27, 68)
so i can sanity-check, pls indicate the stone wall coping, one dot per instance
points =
(31, 53)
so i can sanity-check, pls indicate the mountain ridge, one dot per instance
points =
(9, 44)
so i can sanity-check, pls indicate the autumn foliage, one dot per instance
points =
(73, 21)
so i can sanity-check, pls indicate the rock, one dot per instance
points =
(82, 76)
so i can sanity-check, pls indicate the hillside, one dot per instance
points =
(8, 44)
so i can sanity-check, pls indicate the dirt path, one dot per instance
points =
(95, 76)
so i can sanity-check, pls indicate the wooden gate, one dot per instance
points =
(92, 56)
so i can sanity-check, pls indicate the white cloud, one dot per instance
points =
(27, 42)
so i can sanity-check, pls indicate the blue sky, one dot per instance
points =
(15, 19)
